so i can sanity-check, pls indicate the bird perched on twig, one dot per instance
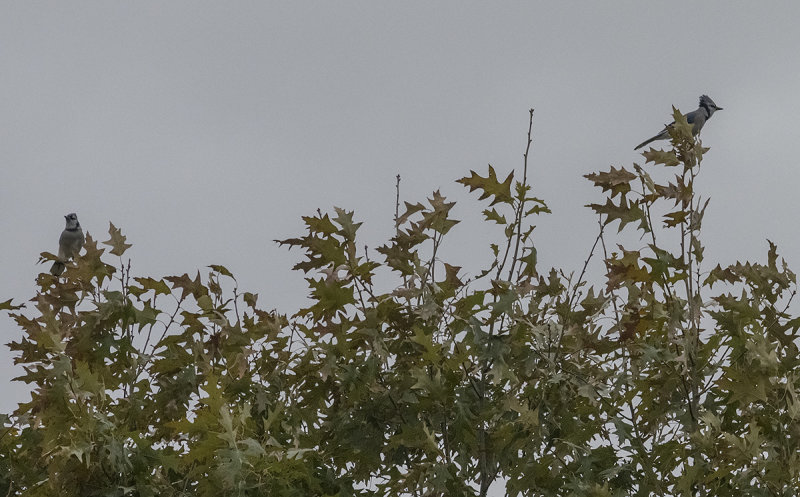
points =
(69, 244)
(697, 118)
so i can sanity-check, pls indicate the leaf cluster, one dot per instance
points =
(404, 375)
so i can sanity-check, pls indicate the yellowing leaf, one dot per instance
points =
(8, 306)
(674, 218)
(626, 212)
(117, 241)
(493, 215)
(221, 270)
(158, 286)
(617, 181)
(666, 157)
(490, 186)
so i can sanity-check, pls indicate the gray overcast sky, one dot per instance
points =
(206, 129)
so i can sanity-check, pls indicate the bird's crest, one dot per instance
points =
(705, 101)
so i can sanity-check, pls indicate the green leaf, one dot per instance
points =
(250, 298)
(8, 306)
(146, 316)
(617, 181)
(666, 157)
(204, 302)
(490, 186)
(529, 261)
(330, 296)
(158, 286)
(86, 379)
(626, 212)
(411, 209)
(91, 264)
(438, 219)
(221, 270)
(743, 386)
(320, 224)
(675, 218)
(252, 448)
(538, 209)
(493, 215)
(678, 191)
(345, 220)
(431, 352)
(188, 286)
(680, 131)
(117, 241)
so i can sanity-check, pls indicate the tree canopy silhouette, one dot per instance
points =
(672, 376)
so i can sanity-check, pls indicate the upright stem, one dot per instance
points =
(521, 206)
(692, 338)
(397, 206)
(487, 476)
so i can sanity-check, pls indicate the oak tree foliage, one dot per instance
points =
(670, 375)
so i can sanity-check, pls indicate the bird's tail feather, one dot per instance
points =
(57, 269)
(661, 136)
(646, 142)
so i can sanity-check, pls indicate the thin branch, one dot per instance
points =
(605, 257)
(585, 265)
(521, 206)
(397, 206)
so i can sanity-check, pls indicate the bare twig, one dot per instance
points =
(397, 205)
(585, 265)
(521, 206)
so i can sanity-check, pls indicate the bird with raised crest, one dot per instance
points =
(69, 243)
(697, 118)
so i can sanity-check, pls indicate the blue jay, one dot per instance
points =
(697, 118)
(69, 244)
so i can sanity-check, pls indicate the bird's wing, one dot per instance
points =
(70, 243)
(691, 116)
(63, 244)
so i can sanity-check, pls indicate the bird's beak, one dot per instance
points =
(66, 217)
(719, 108)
